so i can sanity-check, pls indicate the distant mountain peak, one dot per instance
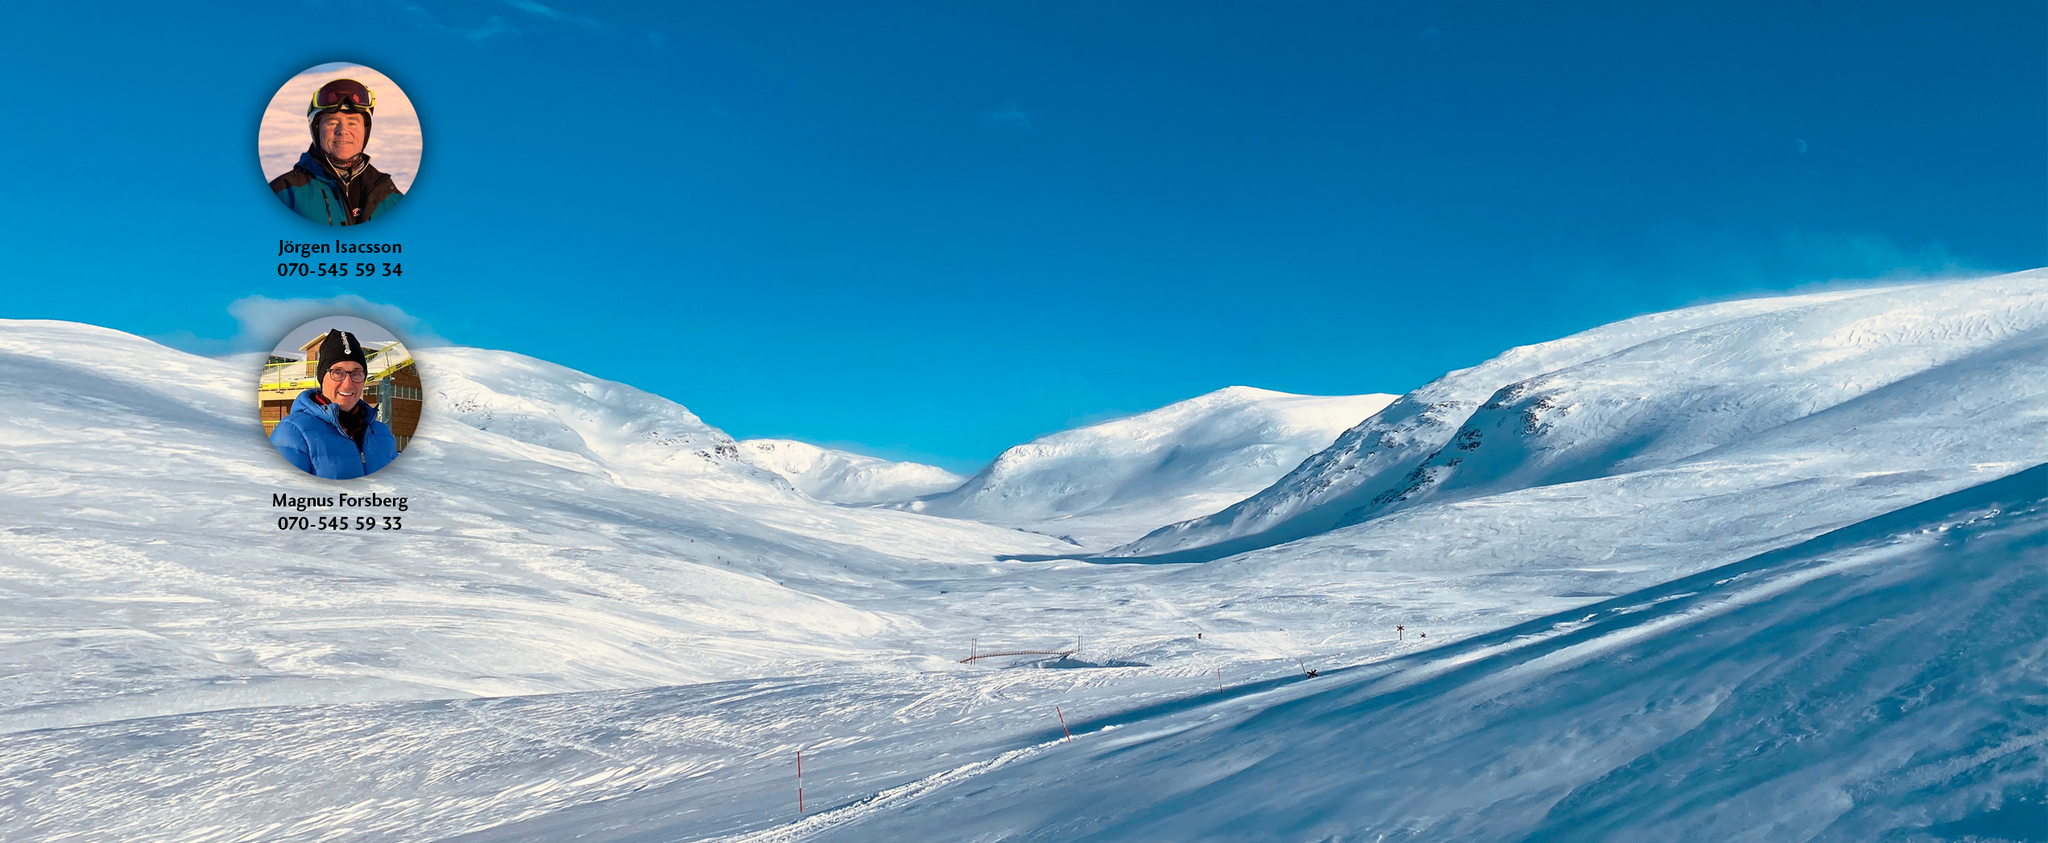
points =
(1112, 480)
(837, 476)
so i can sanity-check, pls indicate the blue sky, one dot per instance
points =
(935, 230)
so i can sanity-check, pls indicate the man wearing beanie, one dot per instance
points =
(331, 431)
(333, 181)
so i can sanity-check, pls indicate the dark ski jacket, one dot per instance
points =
(314, 191)
(314, 438)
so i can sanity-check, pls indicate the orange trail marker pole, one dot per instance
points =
(799, 781)
(1063, 723)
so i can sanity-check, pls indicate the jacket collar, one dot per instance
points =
(311, 402)
(312, 164)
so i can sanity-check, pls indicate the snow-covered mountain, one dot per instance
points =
(616, 428)
(836, 476)
(1691, 386)
(1760, 570)
(1114, 480)
(559, 533)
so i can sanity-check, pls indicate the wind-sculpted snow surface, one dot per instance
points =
(1641, 394)
(1886, 681)
(838, 476)
(1112, 481)
(143, 570)
(663, 764)
(672, 623)
(1882, 682)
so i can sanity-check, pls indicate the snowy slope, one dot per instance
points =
(1883, 681)
(554, 539)
(1635, 395)
(674, 626)
(839, 476)
(1886, 681)
(1112, 481)
(634, 434)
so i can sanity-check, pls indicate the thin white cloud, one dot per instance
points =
(1007, 117)
(265, 323)
(491, 27)
(534, 8)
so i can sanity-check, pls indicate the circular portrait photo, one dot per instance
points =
(340, 397)
(340, 144)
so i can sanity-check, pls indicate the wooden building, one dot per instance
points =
(393, 388)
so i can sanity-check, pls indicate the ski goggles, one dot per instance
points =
(343, 94)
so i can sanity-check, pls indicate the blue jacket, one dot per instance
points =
(314, 193)
(311, 437)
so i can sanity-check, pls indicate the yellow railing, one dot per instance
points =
(296, 375)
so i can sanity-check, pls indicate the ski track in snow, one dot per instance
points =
(606, 620)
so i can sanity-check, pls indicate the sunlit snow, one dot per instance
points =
(1759, 570)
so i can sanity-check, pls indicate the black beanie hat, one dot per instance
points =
(339, 346)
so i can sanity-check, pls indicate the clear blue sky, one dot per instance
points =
(934, 230)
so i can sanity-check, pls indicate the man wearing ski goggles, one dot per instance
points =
(333, 182)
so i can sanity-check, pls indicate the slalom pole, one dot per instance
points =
(1063, 723)
(799, 781)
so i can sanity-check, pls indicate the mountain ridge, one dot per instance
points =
(844, 477)
(1111, 478)
(1616, 399)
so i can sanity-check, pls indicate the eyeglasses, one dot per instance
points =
(356, 375)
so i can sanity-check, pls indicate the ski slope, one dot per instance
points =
(1798, 611)
(1882, 681)
(561, 533)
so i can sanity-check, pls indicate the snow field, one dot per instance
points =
(1879, 682)
(1756, 570)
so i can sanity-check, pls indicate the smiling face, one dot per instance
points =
(341, 385)
(341, 134)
